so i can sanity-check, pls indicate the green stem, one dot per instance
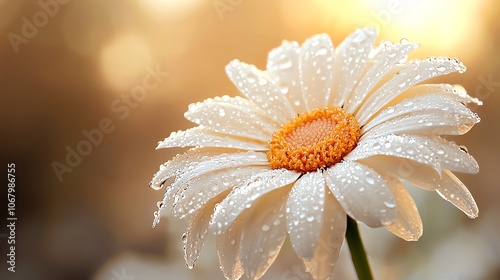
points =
(357, 250)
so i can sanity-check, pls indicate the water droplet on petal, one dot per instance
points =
(321, 51)
(441, 68)
(389, 204)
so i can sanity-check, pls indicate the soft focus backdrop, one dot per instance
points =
(88, 87)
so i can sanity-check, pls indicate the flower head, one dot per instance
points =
(322, 133)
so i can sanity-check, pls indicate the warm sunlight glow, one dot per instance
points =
(165, 9)
(124, 61)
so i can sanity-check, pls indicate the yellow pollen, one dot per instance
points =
(316, 139)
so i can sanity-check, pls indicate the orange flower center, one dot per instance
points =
(316, 139)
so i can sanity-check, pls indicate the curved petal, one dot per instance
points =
(432, 123)
(197, 230)
(381, 60)
(207, 164)
(408, 224)
(177, 166)
(447, 154)
(422, 175)
(228, 248)
(350, 60)
(456, 92)
(180, 162)
(451, 111)
(330, 240)
(447, 185)
(415, 72)
(263, 233)
(453, 190)
(402, 146)
(203, 188)
(204, 137)
(451, 156)
(362, 192)
(304, 213)
(282, 65)
(245, 194)
(258, 87)
(316, 75)
(234, 116)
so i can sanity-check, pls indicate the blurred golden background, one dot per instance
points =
(109, 78)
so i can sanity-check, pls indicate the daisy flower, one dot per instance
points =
(322, 136)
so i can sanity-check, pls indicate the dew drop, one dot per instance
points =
(184, 237)
(284, 62)
(441, 68)
(389, 204)
(310, 218)
(232, 242)
(360, 37)
(321, 51)
(370, 180)
(265, 228)
(464, 149)
(283, 88)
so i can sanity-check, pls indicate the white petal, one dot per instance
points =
(456, 92)
(260, 89)
(362, 192)
(451, 156)
(197, 230)
(173, 167)
(453, 190)
(169, 168)
(330, 240)
(233, 116)
(408, 224)
(204, 137)
(282, 65)
(209, 164)
(245, 194)
(263, 233)
(350, 60)
(382, 59)
(201, 189)
(403, 146)
(228, 248)
(432, 123)
(452, 112)
(421, 175)
(447, 185)
(304, 213)
(316, 61)
(415, 72)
